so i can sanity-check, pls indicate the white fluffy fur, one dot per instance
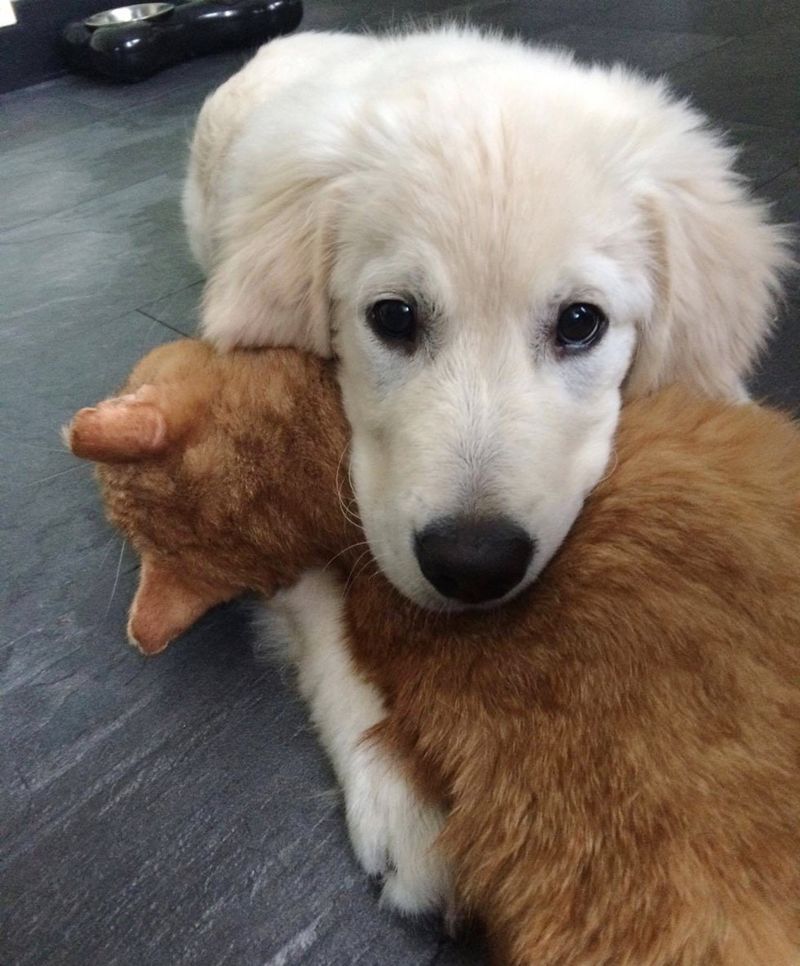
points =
(495, 182)
(392, 832)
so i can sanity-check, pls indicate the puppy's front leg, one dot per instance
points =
(392, 831)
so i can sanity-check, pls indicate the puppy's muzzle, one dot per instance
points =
(474, 561)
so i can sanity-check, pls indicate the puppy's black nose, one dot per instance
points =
(474, 561)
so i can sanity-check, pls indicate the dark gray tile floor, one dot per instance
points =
(178, 811)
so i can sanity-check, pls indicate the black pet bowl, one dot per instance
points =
(135, 42)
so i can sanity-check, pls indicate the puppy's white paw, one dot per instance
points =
(393, 832)
(394, 835)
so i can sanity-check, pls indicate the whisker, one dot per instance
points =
(38, 446)
(360, 543)
(53, 476)
(610, 473)
(338, 484)
(355, 571)
(363, 566)
(116, 577)
(346, 512)
(350, 478)
(109, 545)
(348, 515)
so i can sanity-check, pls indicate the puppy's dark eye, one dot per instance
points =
(580, 325)
(394, 320)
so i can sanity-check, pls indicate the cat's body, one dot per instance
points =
(620, 749)
(617, 751)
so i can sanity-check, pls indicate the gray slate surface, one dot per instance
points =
(179, 811)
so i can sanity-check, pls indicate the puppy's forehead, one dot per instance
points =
(497, 203)
(477, 252)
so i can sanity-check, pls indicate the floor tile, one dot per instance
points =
(766, 69)
(651, 51)
(90, 163)
(43, 111)
(529, 20)
(57, 107)
(180, 310)
(726, 17)
(178, 809)
(97, 260)
(360, 14)
(192, 79)
(765, 152)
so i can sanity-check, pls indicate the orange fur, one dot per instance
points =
(235, 493)
(618, 748)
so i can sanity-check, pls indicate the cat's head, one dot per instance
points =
(224, 471)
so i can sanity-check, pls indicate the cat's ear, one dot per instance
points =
(167, 604)
(123, 429)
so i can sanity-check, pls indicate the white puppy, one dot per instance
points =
(497, 244)
(494, 241)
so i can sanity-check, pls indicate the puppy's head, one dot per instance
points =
(496, 253)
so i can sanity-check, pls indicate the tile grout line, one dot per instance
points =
(757, 186)
(726, 42)
(166, 325)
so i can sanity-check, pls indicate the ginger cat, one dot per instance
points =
(617, 751)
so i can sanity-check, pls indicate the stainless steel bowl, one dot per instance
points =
(132, 14)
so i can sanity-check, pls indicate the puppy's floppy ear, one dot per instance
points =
(269, 282)
(717, 264)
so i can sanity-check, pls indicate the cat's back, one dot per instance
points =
(638, 716)
(698, 522)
